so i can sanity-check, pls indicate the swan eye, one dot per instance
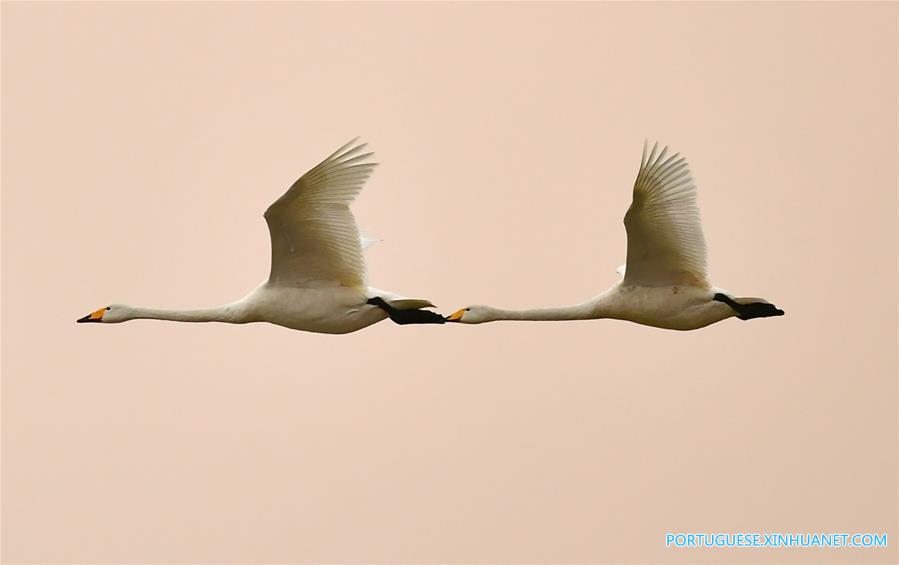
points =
(109, 307)
(468, 309)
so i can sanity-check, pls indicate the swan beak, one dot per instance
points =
(92, 317)
(455, 316)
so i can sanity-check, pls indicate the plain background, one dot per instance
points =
(141, 143)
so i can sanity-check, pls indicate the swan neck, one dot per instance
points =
(227, 313)
(579, 312)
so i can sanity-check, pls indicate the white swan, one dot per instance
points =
(664, 283)
(317, 279)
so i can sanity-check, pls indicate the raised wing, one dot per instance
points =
(665, 245)
(314, 236)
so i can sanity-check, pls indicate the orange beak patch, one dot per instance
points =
(456, 316)
(96, 316)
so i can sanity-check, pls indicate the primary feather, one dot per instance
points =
(314, 236)
(665, 245)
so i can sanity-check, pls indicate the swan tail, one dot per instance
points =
(410, 304)
(398, 301)
(748, 308)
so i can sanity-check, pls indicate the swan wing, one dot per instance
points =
(314, 235)
(665, 245)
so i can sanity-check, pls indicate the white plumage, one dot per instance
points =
(664, 283)
(317, 279)
(665, 244)
(313, 232)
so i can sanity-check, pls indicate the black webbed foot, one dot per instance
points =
(759, 310)
(751, 310)
(404, 317)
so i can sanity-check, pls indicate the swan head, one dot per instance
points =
(472, 315)
(112, 314)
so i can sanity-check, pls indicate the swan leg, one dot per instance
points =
(404, 317)
(750, 310)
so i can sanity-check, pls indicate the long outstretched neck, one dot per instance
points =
(579, 312)
(228, 313)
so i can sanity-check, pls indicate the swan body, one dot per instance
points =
(317, 279)
(331, 310)
(668, 307)
(664, 282)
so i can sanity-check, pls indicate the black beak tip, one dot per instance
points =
(85, 319)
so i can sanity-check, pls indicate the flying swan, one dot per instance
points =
(317, 280)
(664, 282)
